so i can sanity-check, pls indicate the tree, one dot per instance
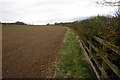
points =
(108, 3)
(111, 3)
(48, 24)
(56, 23)
(20, 23)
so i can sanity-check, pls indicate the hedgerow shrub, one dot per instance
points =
(104, 27)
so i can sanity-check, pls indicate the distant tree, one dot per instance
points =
(56, 23)
(48, 24)
(20, 23)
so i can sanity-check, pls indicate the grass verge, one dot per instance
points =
(72, 63)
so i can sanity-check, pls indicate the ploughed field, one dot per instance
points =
(30, 51)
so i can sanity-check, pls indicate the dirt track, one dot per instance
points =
(30, 51)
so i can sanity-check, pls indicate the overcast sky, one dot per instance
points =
(50, 11)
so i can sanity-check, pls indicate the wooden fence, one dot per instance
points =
(103, 66)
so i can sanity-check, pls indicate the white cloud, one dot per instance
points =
(49, 11)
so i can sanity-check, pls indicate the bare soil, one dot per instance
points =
(30, 51)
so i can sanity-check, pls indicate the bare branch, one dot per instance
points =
(109, 3)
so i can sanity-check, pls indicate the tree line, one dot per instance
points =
(15, 23)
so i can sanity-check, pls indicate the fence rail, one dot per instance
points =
(98, 63)
(108, 44)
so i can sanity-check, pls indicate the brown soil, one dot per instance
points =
(30, 51)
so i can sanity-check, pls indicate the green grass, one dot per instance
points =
(72, 63)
